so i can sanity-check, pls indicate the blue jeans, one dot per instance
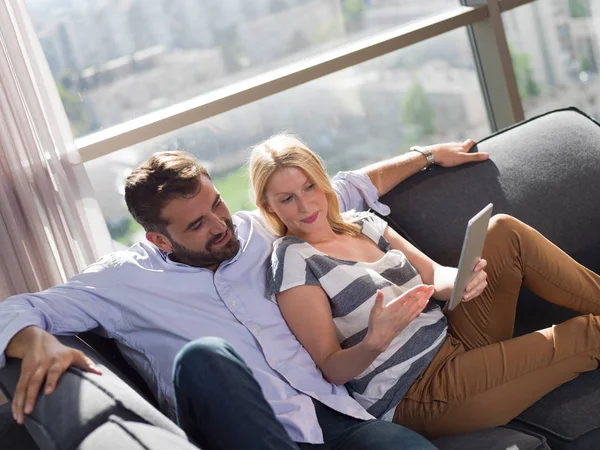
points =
(221, 406)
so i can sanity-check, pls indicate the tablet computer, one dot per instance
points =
(470, 254)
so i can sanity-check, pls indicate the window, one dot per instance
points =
(425, 93)
(114, 61)
(555, 47)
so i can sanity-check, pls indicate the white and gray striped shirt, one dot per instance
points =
(351, 287)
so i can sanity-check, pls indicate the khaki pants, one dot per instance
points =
(481, 377)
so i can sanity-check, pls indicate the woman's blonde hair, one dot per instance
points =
(285, 150)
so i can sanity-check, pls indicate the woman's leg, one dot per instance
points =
(518, 254)
(481, 377)
(488, 386)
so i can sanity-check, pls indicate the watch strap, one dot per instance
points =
(426, 153)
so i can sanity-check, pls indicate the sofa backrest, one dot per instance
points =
(544, 171)
(111, 357)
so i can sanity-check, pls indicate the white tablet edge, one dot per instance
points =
(471, 252)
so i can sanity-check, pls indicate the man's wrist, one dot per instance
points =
(21, 341)
(430, 159)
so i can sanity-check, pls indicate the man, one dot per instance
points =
(202, 275)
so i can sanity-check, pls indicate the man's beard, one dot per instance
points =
(211, 256)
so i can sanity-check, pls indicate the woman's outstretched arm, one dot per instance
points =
(307, 311)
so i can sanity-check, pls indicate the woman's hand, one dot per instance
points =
(387, 322)
(478, 283)
(456, 153)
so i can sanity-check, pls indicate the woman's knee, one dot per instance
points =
(503, 223)
(503, 226)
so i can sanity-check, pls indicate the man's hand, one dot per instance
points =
(456, 153)
(44, 358)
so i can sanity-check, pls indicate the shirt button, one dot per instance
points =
(234, 304)
(272, 361)
(254, 329)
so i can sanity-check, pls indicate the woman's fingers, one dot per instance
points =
(478, 283)
(481, 264)
(477, 288)
(414, 295)
(419, 307)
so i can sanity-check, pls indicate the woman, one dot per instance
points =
(356, 295)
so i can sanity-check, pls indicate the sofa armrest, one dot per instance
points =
(81, 403)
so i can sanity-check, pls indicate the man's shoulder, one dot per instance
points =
(140, 253)
(247, 217)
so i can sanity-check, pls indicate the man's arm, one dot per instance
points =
(26, 321)
(385, 175)
(44, 357)
(362, 188)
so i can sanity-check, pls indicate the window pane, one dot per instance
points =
(425, 93)
(555, 47)
(115, 60)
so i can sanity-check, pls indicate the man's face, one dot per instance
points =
(200, 231)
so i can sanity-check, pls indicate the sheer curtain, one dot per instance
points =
(50, 224)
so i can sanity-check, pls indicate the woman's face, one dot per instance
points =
(297, 201)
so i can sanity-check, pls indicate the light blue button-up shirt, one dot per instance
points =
(153, 306)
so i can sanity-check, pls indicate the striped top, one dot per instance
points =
(351, 287)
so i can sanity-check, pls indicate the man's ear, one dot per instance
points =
(160, 240)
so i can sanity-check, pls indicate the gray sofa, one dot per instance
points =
(545, 171)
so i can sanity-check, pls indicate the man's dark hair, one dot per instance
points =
(160, 179)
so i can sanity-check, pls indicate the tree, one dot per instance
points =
(528, 86)
(231, 48)
(276, 6)
(124, 230)
(298, 42)
(579, 8)
(353, 11)
(418, 113)
(233, 187)
(585, 64)
(79, 117)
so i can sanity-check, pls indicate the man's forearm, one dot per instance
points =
(386, 174)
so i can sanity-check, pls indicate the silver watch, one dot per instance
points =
(426, 153)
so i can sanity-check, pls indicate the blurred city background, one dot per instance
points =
(116, 60)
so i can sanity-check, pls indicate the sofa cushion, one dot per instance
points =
(55, 423)
(110, 355)
(13, 435)
(493, 439)
(569, 416)
(118, 434)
